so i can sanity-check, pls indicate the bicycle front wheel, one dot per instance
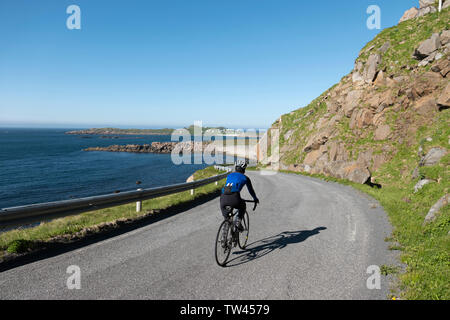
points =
(243, 236)
(224, 243)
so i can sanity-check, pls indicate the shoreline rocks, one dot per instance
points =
(155, 147)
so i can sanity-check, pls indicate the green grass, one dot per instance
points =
(404, 39)
(299, 122)
(23, 240)
(386, 270)
(19, 245)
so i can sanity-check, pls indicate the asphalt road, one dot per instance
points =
(309, 239)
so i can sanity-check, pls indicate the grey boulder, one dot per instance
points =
(426, 3)
(421, 184)
(433, 157)
(426, 10)
(428, 47)
(431, 216)
(372, 68)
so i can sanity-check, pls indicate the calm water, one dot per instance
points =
(40, 165)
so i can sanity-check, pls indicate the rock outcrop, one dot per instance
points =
(434, 49)
(425, 7)
(409, 14)
(372, 67)
(427, 47)
(444, 99)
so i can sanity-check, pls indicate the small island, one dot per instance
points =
(115, 131)
(193, 130)
(155, 147)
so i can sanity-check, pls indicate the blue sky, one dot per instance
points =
(167, 63)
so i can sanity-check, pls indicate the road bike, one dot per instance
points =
(228, 236)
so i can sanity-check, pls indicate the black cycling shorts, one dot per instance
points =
(232, 200)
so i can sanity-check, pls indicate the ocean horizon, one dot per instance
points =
(45, 164)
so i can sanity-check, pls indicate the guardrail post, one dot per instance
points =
(192, 192)
(139, 204)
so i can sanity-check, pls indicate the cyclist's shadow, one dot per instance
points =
(265, 246)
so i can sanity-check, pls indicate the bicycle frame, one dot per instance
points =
(235, 233)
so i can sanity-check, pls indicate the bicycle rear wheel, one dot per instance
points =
(243, 236)
(224, 243)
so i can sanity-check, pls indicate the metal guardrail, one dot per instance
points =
(224, 168)
(28, 214)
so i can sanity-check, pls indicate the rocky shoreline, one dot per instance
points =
(180, 147)
(155, 147)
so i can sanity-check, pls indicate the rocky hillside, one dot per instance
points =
(398, 88)
(385, 129)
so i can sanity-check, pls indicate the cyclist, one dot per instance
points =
(231, 197)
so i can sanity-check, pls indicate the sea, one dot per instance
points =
(45, 165)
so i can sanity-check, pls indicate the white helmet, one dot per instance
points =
(241, 164)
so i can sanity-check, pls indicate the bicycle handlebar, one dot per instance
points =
(252, 201)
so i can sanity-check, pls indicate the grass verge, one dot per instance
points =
(25, 240)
